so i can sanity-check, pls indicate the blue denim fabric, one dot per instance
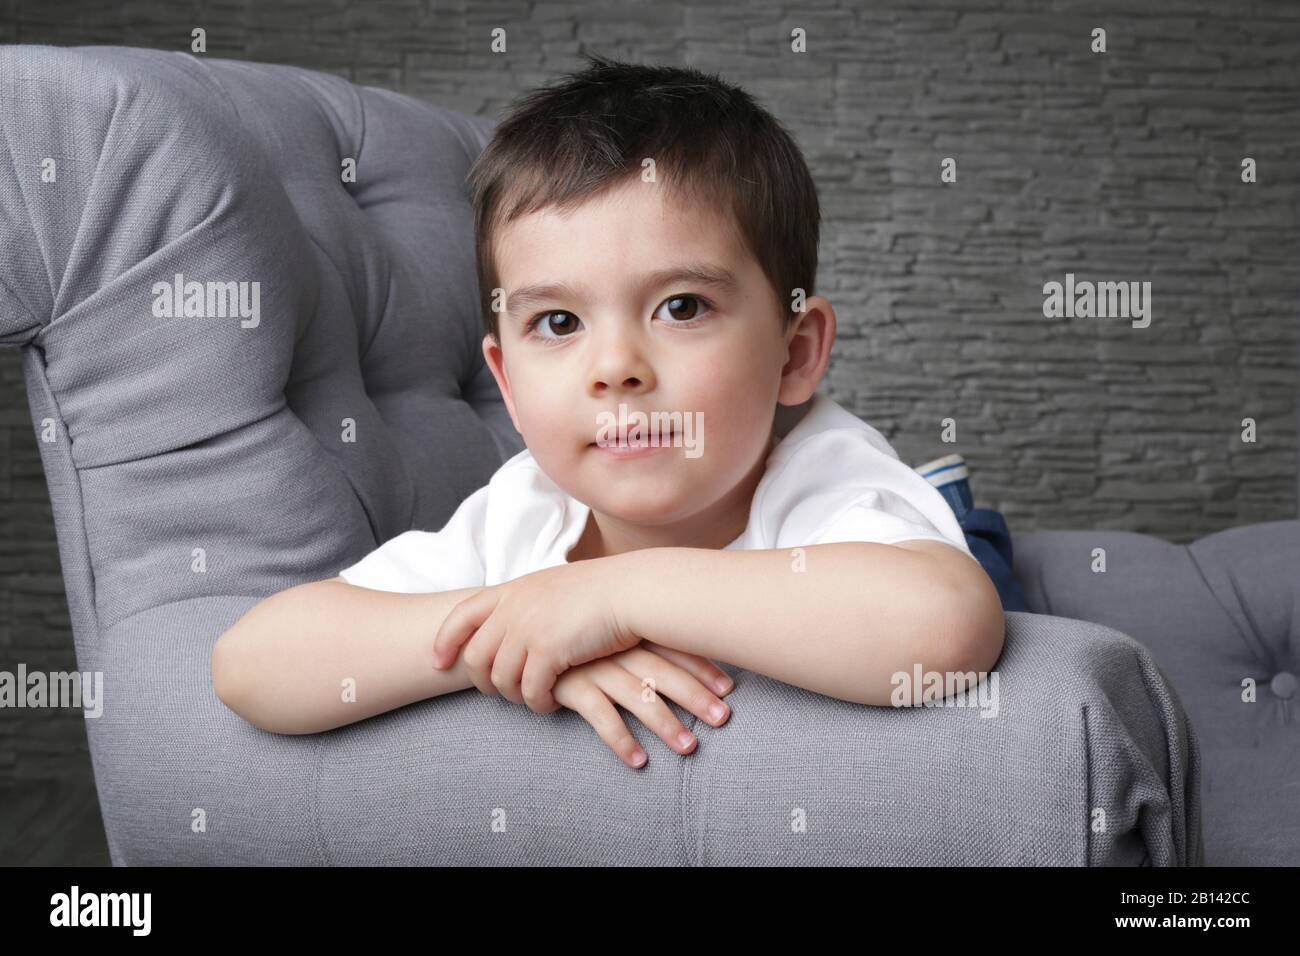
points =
(989, 540)
(987, 535)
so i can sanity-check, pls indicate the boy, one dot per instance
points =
(646, 248)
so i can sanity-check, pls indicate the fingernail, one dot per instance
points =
(723, 684)
(638, 758)
(684, 739)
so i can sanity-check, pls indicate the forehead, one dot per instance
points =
(633, 228)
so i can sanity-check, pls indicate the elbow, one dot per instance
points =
(234, 680)
(956, 633)
(972, 626)
(225, 670)
(230, 683)
(231, 680)
(234, 666)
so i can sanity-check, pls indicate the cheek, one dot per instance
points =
(539, 408)
(739, 356)
(732, 428)
(736, 392)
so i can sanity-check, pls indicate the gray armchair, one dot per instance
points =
(197, 464)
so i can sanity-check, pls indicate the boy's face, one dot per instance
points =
(719, 354)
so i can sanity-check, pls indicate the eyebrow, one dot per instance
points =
(530, 295)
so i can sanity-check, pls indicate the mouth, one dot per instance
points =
(664, 441)
(648, 442)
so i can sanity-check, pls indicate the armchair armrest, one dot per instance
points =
(1086, 758)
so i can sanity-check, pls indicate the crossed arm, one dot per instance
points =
(839, 619)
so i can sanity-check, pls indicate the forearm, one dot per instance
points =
(840, 619)
(324, 654)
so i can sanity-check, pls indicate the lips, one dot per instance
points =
(644, 443)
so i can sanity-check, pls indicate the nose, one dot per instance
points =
(618, 362)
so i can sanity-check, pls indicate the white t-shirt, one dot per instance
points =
(831, 478)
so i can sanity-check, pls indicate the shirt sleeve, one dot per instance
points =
(886, 517)
(426, 561)
(848, 484)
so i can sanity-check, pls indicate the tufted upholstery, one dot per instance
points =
(190, 433)
(1214, 614)
(164, 436)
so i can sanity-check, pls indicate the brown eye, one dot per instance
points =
(544, 324)
(682, 308)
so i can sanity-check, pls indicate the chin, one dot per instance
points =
(646, 510)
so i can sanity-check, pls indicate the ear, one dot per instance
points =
(808, 347)
(496, 362)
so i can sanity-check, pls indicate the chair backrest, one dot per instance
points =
(246, 371)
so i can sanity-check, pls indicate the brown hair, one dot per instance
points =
(564, 143)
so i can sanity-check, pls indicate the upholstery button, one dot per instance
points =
(1283, 684)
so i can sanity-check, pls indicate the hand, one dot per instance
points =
(524, 633)
(639, 679)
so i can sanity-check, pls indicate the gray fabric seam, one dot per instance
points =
(1256, 647)
(316, 801)
(1089, 846)
(13, 296)
(92, 609)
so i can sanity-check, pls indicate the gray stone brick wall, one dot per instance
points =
(1122, 166)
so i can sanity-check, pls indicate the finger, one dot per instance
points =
(675, 683)
(707, 672)
(480, 653)
(508, 668)
(625, 690)
(460, 624)
(539, 675)
(596, 709)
